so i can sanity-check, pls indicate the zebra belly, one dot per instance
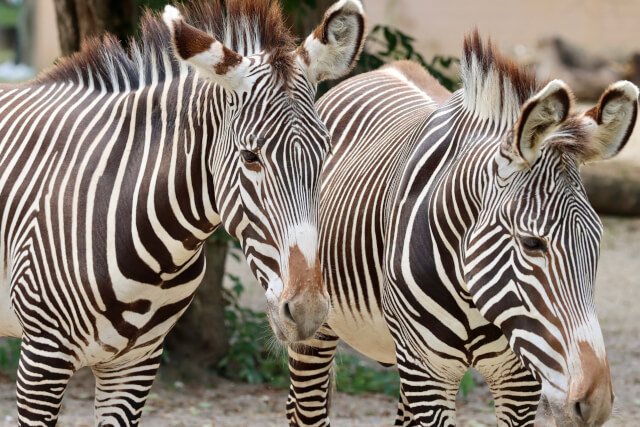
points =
(366, 333)
(9, 324)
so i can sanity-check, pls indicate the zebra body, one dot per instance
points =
(483, 252)
(116, 168)
(395, 107)
(69, 189)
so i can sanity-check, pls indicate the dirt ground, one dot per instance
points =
(233, 404)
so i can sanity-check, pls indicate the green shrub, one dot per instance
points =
(8, 15)
(249, 358)
(385, 44)
(9, 357)
(353, 376)
(467, 384)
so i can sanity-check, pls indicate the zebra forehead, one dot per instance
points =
(552, 190)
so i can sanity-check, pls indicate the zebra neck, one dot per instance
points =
(461, 189)
(174, 209)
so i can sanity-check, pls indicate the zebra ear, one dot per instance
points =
(332, 49)
(615, 116)
(200, 50)
(539, 116)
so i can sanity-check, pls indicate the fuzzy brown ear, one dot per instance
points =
(615, 116)
(332, 49)
(539, 116)
(203, 52)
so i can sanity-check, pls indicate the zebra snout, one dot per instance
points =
(591, 392)
(592, 410)
(304, 316)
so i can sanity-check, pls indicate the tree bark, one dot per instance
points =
(80, 19)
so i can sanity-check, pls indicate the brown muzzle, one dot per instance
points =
(304, 303)
(591, 394)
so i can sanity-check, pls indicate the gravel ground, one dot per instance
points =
(232, 404)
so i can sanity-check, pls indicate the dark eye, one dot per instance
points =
(531, 243)
(249, 156)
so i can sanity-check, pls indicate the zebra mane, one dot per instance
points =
(245, 26)
(495, 87)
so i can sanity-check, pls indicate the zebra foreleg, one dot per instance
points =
(516, 393)
(403, 416)
(43, 373)
(429, 393)
(310, 370)
(122, 389)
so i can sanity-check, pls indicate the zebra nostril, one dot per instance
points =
(581, 411)
(285, 312)
(577, 412)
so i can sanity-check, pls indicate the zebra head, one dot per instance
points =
(271, 144)
(531, 257)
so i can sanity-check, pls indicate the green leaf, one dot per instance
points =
(467, 384)
(392, 42)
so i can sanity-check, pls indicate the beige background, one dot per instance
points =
(605, 27)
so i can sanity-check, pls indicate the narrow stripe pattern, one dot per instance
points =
(115, 167)
(443, 249)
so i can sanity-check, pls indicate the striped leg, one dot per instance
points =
(122, 389)
(310, 369)
(403, 416)
(429, 377)
(516, 393)
(429, 392)
(43, 373)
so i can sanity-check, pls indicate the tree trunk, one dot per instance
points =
(80, 19)
(200, 338)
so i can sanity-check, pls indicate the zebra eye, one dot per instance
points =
(249, 156)
(531, 243)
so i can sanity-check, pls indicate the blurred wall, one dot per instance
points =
(609, 28)
(606, 27)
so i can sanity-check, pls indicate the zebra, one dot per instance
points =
(455, 232)
(116, 166)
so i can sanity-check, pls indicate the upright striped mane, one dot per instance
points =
(245, 26)
(495, 87)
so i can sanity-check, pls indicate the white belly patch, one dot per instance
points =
(9, 324)
(369, 335)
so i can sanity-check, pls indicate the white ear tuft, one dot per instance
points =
(347, 5)
(625, 92)
(170, 16)
(206, 54)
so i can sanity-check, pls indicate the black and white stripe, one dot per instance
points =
(116, 167)
(466, 240)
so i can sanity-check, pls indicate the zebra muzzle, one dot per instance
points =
(591, 393)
